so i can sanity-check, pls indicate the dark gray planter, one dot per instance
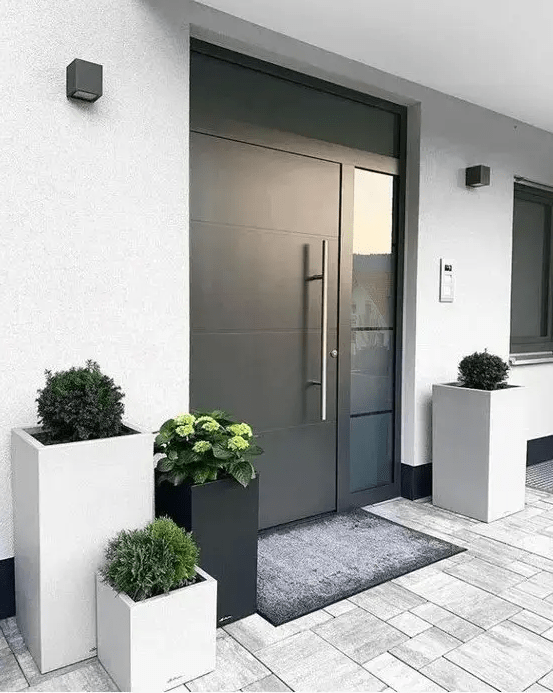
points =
(223, 515)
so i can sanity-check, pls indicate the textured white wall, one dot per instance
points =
(473, 228)
(93, 208)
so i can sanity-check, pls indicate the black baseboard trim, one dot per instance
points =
(416, 482)
(7, 588)
(539, 450)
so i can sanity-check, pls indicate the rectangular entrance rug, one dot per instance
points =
(307, 565)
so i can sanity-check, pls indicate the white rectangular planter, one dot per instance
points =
(69, 500)
(479, 450)
(158, 643)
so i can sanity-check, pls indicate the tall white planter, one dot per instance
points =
(69, 500)
(158, 643)
(479, 450)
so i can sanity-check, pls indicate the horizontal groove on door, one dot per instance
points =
(371, 329)
(372, 413)
(262, 229)
(311, 330)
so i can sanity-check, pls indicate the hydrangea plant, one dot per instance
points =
(205, 446)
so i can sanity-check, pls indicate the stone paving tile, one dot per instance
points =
(270, 684)
(90, 677)
(539, 585)
(254, 632)
(360, 635)
(453, 678)
(387, 600)
(529, 602)
(400, 676)
(3, 644)
(235, 668)
(493, 551)
(425, 647)
(547, 681)
(536, 687)
(522, 568)
(485, 575)
(307, 662)
(11, 676)
(507, 657)
(471, 603)
(450, 623)
(340, 608)
(409, 623)
(534, 622)
(531, 542)
(13, 637)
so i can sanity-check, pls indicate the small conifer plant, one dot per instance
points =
(79, 404)
(483, 371)
(146, 562)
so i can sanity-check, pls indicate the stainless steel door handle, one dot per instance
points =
(324, 328)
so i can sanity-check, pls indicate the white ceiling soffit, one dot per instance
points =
(494, 53)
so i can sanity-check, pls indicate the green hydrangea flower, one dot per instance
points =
(241, 429)
(184, 419)
(208, 424)
(201, 446)
(185, 431)
(238, 443)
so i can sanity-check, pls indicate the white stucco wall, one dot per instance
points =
(93, 208)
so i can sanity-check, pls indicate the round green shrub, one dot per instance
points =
(483, 371)
(80, 404)
(146, 562)
(181, 543)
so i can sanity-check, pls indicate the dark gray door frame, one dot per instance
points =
(349, 160)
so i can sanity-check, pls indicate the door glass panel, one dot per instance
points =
(371, 448)
(372, 332)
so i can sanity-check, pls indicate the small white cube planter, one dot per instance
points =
(479, 450)
(158, 643)
(69, 500)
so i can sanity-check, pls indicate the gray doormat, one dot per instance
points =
(540, 476)
(307, 565)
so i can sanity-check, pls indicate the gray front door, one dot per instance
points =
(259, 220)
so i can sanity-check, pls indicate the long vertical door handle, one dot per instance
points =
(324, 328)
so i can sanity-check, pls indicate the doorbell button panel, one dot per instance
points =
(447, 282)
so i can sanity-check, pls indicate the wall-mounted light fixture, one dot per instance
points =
(84, 80)
(477, 176)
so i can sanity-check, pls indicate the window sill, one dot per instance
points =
(531, 358)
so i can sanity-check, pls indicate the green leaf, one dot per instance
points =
(164, 465)
(160, 439)
(222, 454)
(187, 456)
(168, 426)
(254, 450)
(200, 475)
(172, 454)
(243, 472)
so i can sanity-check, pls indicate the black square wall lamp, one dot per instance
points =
(477, 176)
(84, 80)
